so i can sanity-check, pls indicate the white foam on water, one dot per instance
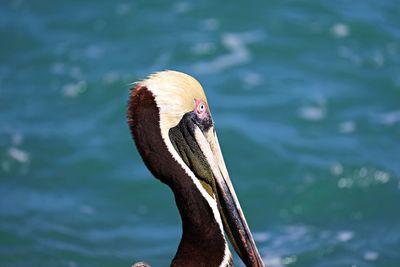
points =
(371, 255)
(204, 48)
(348, 54)
(378, 59)
(363, 172)
(381, 177)
(277, 261)
(337, 169)
(391, 118)
(182, 7)
(261, 236)
(238, 54)
(312, 113)
(347, 127)
(340, 30)
(362, 177)
(273, 261)
(74, 89)
(251, 79)
(289, 260)
(345, 182)
(111, 77)
(18, 154)
(345, 235)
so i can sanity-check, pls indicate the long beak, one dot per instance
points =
(235, 224)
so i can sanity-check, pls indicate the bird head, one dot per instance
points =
(187, 129)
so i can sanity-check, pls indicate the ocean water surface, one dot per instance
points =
(306, 101)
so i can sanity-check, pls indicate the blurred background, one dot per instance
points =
(306, 100)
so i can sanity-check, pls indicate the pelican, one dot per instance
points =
(171, 124)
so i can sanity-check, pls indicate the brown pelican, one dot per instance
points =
(171, 123)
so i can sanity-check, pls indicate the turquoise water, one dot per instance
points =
(306, 99)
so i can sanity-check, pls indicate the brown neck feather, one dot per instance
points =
(202, 242)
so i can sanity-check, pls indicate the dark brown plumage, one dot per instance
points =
(202, 243)
(174, 132)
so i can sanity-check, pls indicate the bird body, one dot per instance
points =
(171, 124)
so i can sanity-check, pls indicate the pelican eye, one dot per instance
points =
(200, 107)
